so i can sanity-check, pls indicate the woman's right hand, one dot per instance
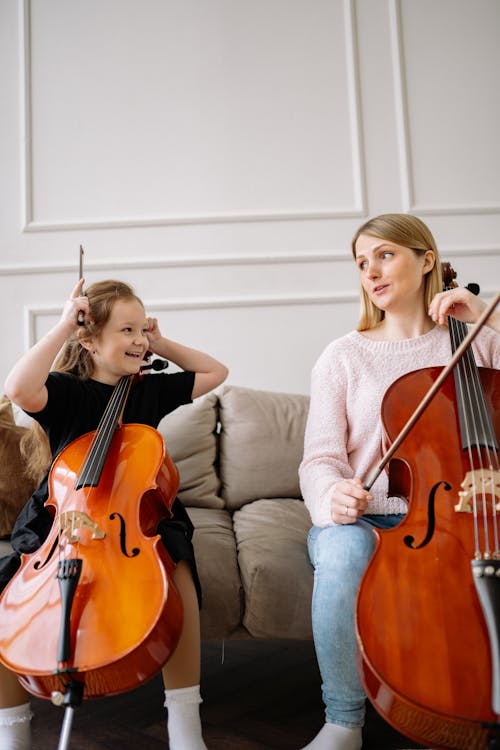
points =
(349, 501)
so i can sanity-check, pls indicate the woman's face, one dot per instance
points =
(392, 275)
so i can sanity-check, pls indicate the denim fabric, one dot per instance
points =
(339, 555)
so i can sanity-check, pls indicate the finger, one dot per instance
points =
(346, 514)
(353, 490)
(80, 315)
(354, 511)
(438, 309)
(77, 291)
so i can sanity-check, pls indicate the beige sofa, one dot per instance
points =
(238, 452)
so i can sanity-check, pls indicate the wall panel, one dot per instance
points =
(219, 155)
(189, 112)
(448, 104)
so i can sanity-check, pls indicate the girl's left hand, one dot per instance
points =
(459, 303)
(153, 331)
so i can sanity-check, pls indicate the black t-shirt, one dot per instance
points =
(75, 407)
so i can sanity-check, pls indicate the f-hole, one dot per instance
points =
(123, 536)
(431, 518)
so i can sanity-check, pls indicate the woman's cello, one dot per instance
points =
(428, 608)
(93, 610)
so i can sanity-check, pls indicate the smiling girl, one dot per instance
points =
(401, 301)
(68, 400)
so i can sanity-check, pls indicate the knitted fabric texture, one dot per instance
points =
(344, 433)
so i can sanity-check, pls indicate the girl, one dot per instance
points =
(401, 303)
(68, 402)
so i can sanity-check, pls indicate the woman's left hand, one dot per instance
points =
(459, 303)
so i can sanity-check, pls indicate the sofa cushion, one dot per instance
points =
(215, 551)
(16, 486)
(261, 444)
(271, 538)
(191, 439)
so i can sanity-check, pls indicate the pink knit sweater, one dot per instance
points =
(344, 431)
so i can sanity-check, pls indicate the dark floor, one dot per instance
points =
(263, 696)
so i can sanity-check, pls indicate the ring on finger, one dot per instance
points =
(346, 512)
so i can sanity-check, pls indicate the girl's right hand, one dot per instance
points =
(25, 383)
(349, 501)
(77, 303)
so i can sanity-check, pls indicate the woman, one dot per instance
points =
(68, 402)
(401, 303)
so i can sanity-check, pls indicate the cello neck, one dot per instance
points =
(92, 468)
(476, 427)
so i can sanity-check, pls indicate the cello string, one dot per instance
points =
(90, 457)
(105, 429)
(483, 442)
(88, 476)
(102, 433)
(459, 330)
(70, 522)
(479, 423)
(459, 386)
(473, 385)
(487, 439)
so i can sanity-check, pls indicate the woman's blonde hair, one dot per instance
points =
(76, 359)
(102, 295)
(408, 231)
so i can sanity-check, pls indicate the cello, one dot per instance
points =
(93, 611)
(428, 637)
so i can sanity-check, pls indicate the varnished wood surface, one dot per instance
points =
(264, 696)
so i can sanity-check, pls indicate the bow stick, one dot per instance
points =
(433, 390)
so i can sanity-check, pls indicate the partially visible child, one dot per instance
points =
(68, 401)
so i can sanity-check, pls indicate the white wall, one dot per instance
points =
(219, 154)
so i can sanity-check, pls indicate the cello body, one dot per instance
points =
(424, 650)
(126, 615)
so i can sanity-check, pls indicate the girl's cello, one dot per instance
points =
(428, 608)
(93, 609)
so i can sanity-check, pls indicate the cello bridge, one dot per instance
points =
(475, 484)
(71, 520)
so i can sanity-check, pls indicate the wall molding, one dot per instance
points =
(454, 210)
(158, 221)
(151, 264)
(33, 314)
(147, 264)
(410, 205)
(357, 155)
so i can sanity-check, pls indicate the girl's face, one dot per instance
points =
(120, 347)
(392, 275)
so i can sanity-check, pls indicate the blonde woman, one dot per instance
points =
(401, 305)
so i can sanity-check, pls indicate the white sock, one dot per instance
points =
(15, 727)
(336, 737)
(184, 724)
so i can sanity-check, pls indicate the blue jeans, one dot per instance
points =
(339, 555)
